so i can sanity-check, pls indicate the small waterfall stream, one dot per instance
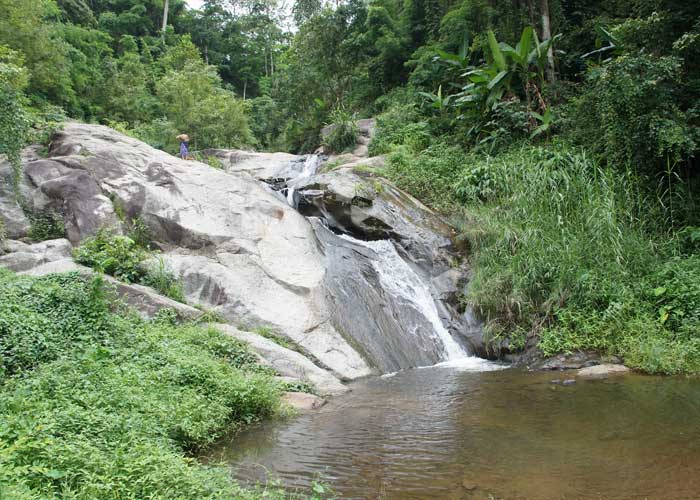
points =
(381, 304)
(397, 278)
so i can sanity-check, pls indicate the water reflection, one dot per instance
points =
(444, 433)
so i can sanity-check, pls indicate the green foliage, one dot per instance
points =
(112, 254)
(429, 175)
(212, 161)
(630, 113)
(161, 278)
(46, 225)
(115, 403)
(140, 233)
(270, 334)
(14, 120)
(42, 318)
(343, 132)
(560, 250)
(299, 387)
(192, 101)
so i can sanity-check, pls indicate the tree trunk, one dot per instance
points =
(245, 87)
(546, 35)
(165, 16)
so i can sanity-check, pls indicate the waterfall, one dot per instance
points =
(297, 176)
(397, 278)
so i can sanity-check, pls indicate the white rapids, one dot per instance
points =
(398, 278)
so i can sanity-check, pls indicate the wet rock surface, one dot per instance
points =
(602, 371)
(302, 401)
(287, 362)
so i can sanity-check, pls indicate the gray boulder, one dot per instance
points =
(287, 362)
(602, 371)
(258, 165)
(22, 257)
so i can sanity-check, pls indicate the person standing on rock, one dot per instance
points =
(184, 146)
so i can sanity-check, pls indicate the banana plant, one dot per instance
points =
(438, 101)
(546, 120)
(614, 44)
(461, 59)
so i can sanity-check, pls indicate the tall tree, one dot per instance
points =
(546, 35)
(165, 16)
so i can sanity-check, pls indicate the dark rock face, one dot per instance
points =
(388, 331)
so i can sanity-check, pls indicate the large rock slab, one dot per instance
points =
(287, 362)
(23, 257)
(239, 248)
(258, 165)
(12, 217)
(148, 302)
(58, 266)
(239, 287)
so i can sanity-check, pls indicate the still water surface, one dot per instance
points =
(445, 433)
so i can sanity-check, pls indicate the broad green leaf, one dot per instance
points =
(497, 80)
(498, 57)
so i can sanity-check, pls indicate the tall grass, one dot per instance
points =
(565, 251)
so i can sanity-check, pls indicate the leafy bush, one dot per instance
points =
(161, 278)
(400, 124)
(42, 318)
(343, 132)
(140, 233)
(630, 113)
(47, 225)
(14, 126)
(112, 254)
(429, 175)
(115, 402)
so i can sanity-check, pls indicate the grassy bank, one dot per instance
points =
(96, 404)
(580, 256)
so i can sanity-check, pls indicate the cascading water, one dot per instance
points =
(308, 170)
(397, 278)
(380, 303)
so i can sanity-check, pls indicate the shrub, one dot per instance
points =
(140, 233)
(41, 319)
(343, 132)
(115, 402)
(630, 113)
(112, 254)
(47, 225)
(430, 175)
(400, 125)
(160, 277)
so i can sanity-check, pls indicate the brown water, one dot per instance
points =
(442, 433)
